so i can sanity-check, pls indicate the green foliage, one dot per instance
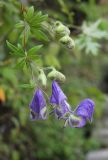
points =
(30, 45)
(96, 11)
(24, 57)
(16, 51)
(33, 24)
(33, 50)
(88, 39)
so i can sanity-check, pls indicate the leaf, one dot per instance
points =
(40, 35)
(20, 64)
(20, 49)
(34, 49)
(93, 30)
(34, 21)
(92, 47)
(30, 12)
(40, 19)
(20, 24)
(15, 51)
(33, 57)
(35, 17)
(11, 46)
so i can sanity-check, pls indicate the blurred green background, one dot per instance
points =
(85, 68)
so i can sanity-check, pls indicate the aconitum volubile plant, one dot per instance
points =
(33, 26)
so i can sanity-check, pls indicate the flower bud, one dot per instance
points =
(71, 44)
(61, 30)
(57, 75)
(38, 110)
(67, 41)
(42, 77)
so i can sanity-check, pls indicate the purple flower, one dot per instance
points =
(86, 109)
(57, 94)
(83, 112)
(38, 106)
(58, 98)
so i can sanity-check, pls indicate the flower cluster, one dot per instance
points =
(62, 33)
(62, 109)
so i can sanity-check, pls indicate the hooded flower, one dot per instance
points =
(83, 112)
(57, 94)
(38, 106)
(86, 109)
(58, 98)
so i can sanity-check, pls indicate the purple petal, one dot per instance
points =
(58, 113)
(62, 110)
(38, 106)
(57, 94)
(76, 122)
(86, 109)
(65, 107)
(42, 115)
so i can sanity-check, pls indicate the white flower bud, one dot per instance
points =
(61, 30)
(42, 78)
(67, 41)
(57, 75)
(71, 44)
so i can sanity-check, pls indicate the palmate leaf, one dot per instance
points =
(92, 47)
(87, 44)
(93, 30)
(88, 40)
(80, 42)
